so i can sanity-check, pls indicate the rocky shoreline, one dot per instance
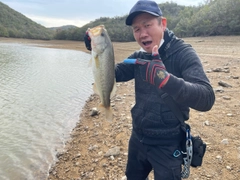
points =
(98, 149)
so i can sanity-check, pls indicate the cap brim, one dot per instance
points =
(133, 15)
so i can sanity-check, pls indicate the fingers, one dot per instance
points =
(155, 53)
(155, 56)
(155, 50)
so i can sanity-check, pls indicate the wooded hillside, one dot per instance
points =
(14, 24)
(214, 17)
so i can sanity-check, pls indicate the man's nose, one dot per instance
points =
(143, 33)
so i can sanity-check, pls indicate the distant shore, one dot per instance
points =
(58, 44)
(120, 51)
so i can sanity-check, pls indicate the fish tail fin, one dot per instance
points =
(90, 63)
(108, 112)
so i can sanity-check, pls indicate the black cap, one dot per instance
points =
(141, 6)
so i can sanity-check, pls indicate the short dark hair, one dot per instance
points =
(159, 18)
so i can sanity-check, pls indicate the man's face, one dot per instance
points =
(147, 30)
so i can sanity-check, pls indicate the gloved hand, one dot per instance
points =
(87, 41)
(153, 71)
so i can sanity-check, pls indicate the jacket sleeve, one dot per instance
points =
(124, 72)
(193, 89)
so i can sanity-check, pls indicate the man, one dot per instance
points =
(164, 64)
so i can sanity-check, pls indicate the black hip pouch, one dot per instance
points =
(199, 148)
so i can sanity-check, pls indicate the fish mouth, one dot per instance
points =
(96, 31)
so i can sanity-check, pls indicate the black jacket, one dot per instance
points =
(153, 121)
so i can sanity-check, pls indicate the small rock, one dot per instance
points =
(92, 147)
(219, 89)
(230, 115)
(104, 165)
(112, 157)
(235, 77)
(59, 154)
(226, 97)
(227, 71)
(224, 141)
(209, 176)
(94, 112)
(206, 123)
(225, 67)
(228, 168)
(217, 70)
(219, 157)
(78, 155)
(118, 98)
(124, 178)
(113, 152)
(224, 84)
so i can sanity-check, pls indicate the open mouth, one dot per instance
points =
(147, 43)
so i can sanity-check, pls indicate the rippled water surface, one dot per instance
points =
(42, 92)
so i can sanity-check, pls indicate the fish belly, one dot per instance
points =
(104, 75)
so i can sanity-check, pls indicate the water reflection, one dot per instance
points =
(42, 92)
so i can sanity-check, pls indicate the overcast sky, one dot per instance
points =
(54, 13)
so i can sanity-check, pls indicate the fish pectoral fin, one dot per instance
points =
(114, 89)
(95, 55)
(96, 61)
(90, 63)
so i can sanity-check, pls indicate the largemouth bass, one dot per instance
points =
(103, 67)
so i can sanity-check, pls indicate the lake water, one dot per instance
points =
(42, 92)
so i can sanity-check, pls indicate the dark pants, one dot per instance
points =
(142, 158)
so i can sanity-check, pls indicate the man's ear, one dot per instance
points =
(164, 23)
